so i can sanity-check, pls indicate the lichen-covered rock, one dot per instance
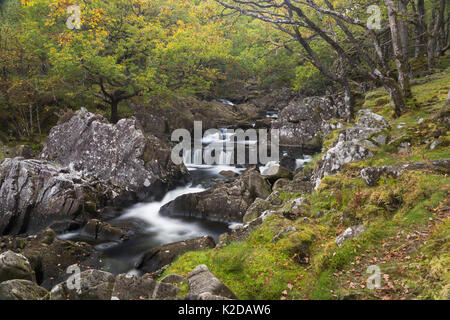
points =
(21, 289)
(370, 130)
(15, 266)
(256, 209)
(35, 193)
(336, 157)
(93, 285)
(301, 122)
(201, 280)
(349, 233)
(131, 287)
(119, 154)
(227, 201)
(372, 175)
(158, 257)
(353, 144)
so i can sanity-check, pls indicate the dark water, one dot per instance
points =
(150, 229)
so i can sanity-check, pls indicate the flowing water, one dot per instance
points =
(148, 229)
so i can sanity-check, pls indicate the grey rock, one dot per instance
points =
(174, 278)
(201, 280)
(353, 144)
(304, 120)
(349, 233)
(102, 231)
(256, 209)
(119, 154)
(158, 257)
(434, 144)
(131, 287)
(372, 175)
(36, 193)
(15, 266)
(336, 157)
(227, 201)
(21, 289)
(368, 119)
(276, 171)
(94, 285)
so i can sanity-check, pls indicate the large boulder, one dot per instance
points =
(161, 256)
(201, 281)
(301, 123)
(370, 130)
(15, 266)
(92, 285)
(21, 289)
(131, 287)
(336, 157)
(35, 193)
(353, 144)
(119, 154)
(227, 201)
(100, 285)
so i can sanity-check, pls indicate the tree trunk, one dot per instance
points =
(421, 30)
(401, 63)
(396, 95)
(403, 27)
(114, 114)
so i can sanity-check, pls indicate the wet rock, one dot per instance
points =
(93, 285)
(350, 233)
(131, 287)
(15, 266)
(164, 255)
(21, 290)
(227, 201)
(119, 154)
(228, 174)
(102, 231)
(372, 175)
(201, 280)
